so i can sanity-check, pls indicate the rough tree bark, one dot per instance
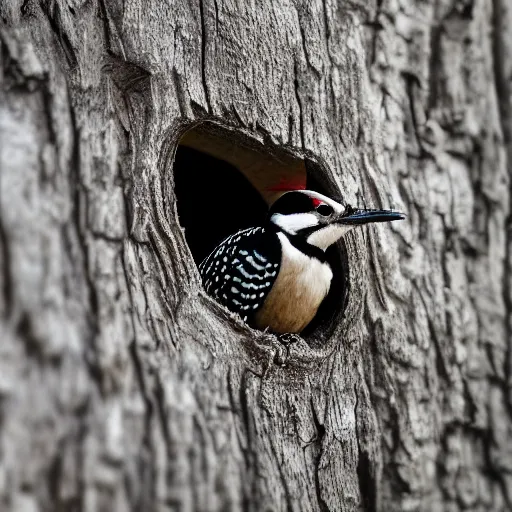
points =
(123, 387)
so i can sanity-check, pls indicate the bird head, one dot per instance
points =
(319, 220)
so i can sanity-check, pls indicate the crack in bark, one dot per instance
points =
(282, 477)
(327, 29)
(364, 474)
(442, 364)
(238, 117)
(241, 408)
(55, 20)
(504, 96)
(413, 81)
(137, 363)
(180, 94)
(79, 204)
(162, 413)
(105, 22)
(111, 32)
(250, 454)
(320, 428)
(444, 267)
(493, 471)
(299, 103)
(433, 61)
(164, 261)
(198, 460)
(139, 372)
(7, 284)
(47, 106)
(203, 55)
(216, 8)
(316, 72)
(377, 27)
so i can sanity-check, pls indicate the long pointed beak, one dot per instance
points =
(364, 216)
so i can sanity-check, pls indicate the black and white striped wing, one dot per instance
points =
(241, 271)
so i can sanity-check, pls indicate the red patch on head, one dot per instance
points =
(316, 202)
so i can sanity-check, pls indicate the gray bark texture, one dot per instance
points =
(123, 387)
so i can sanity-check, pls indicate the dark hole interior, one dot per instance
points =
(216, 200)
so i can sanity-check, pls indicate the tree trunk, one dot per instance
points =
(124, 387)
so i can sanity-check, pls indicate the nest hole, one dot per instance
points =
(224, 185)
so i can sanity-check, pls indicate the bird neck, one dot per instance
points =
(300, 243)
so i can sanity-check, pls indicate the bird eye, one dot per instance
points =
(324, 209)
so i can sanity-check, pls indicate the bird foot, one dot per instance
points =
(288, 338)
(283, 353)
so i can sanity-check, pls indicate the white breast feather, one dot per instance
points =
(312, 274)
(301, 285)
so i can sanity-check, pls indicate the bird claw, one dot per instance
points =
(288, 338)
(283, 351)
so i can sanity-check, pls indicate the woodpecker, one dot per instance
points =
(276, 275)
